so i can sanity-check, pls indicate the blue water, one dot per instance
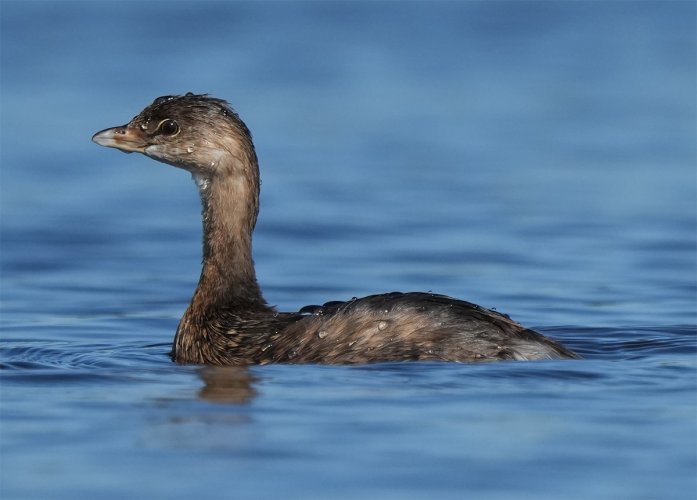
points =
(536, 157)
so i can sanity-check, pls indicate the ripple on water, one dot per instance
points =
(80, 356)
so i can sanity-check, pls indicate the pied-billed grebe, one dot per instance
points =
(228, 321)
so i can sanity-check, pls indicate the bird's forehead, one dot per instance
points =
(162, 109)
(170, 106)
(189, 107)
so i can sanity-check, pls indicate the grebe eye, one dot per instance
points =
(169, 127)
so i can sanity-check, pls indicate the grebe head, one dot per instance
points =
(193, 132)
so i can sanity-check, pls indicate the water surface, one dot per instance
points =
(535, 157)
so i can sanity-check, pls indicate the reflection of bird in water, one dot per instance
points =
(227, 384)
(228, 321)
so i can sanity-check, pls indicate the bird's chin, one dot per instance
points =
(127, 148)
(156, 152)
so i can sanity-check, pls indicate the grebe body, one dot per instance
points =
(228, 322)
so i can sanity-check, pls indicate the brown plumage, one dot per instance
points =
(228, 321)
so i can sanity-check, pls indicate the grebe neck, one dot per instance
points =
(230, 204)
